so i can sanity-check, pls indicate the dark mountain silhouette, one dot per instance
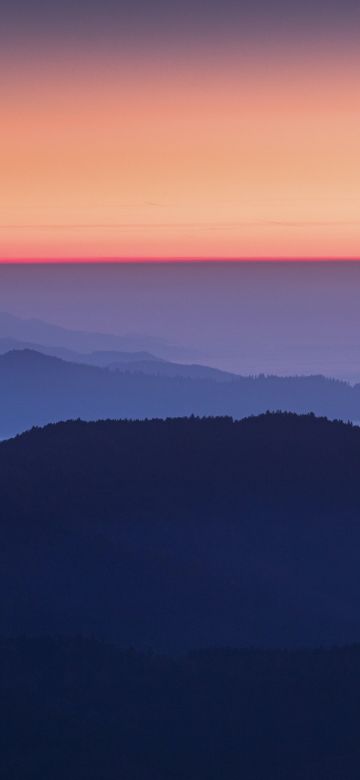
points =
(183, 533)
(36, 389)
(86, 710)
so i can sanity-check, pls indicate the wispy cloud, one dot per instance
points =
(296, 224)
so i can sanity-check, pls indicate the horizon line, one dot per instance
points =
(142, 260)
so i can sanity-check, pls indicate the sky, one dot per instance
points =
(182, 130)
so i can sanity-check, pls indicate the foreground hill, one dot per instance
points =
(36, 389)
(183, 533)
(82, 710)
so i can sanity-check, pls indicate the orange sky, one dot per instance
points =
(236, 158)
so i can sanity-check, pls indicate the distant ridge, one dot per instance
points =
(36, 389)
(142, 361)
(47, 334)
(100, 358)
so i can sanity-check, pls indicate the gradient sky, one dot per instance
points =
(182, 129)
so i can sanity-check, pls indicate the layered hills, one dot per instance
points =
(36, 389)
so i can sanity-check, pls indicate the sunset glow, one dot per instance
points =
(123, 157)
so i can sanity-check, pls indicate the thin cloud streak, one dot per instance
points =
(179, 225)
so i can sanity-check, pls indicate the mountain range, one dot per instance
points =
(36, 389)
(183, 533)
(34, 331)
(141, 361)
(49, 373)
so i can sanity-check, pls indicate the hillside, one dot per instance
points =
(36, 389)
(183, 533)
(85, 710)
